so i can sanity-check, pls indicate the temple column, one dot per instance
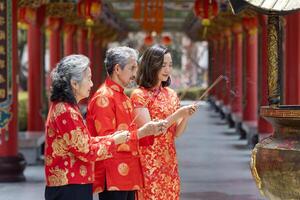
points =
(250, 111)
(220, 71)
(265, 129)
(213, 62)
(69, 44)
(12, 164)
(81, 41)
(237, 75)
(228, 66)
(98, 63)
(292, 60)
(91, 52)
(35, 120)
(54, 26)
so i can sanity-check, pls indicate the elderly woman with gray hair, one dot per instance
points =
(70, 151)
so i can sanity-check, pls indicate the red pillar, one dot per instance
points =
(228, 63)
(35, 121)
(265, 129)
(69, 44)
(98, 62)
(250, 111)
(213, 66)
(221, 68)
(54, 25)
(92, 57)
(12, 164)
(81, 41)
(91, 51)
(292, 60)
(237, 74)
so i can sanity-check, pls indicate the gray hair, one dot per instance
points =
(69, 68)
(118, 55)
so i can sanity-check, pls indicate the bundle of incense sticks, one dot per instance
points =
(197, 104)
(221, 77)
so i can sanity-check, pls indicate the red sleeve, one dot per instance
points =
(145, 141)
(75, 135)
(139, 99)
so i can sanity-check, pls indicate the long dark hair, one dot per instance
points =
(151, 62)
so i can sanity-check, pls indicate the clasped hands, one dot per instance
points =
(189, 110)
(155, 127)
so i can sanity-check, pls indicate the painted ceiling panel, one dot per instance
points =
(275, 5)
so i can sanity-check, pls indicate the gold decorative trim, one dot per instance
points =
(63, 10)
(279, 113)
(254, 170)
(273, 72)
(31, 3)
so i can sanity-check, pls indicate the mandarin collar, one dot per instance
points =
(155, 90)
(113, 85)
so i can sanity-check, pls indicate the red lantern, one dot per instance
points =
(27, 15)
(89, 10)
(53, 23)
(206, 10)
(166, 40)
(148, 40)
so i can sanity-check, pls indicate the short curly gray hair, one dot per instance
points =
(69, 68)
(118, 55)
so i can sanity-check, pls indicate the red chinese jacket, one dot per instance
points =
(70, 151)
(108, 111)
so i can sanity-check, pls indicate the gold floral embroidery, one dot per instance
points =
(162, 152)
(123, 169)
(66, 163)
(98, 125)
(74, 114)
(50, 132)
(59, 109)
(78, 140)
(102, 152)
(115, 87)
(122, 126)
(102, 101)
(83, 159)
(106, 91)
(48, 160)
(83, 171)
(72, 159)
(127, 106)
(59, 147)
(137, 96)
(58, 177)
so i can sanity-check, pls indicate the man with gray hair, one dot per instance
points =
(110, 110)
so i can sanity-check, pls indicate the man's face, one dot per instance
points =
(128, 74)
